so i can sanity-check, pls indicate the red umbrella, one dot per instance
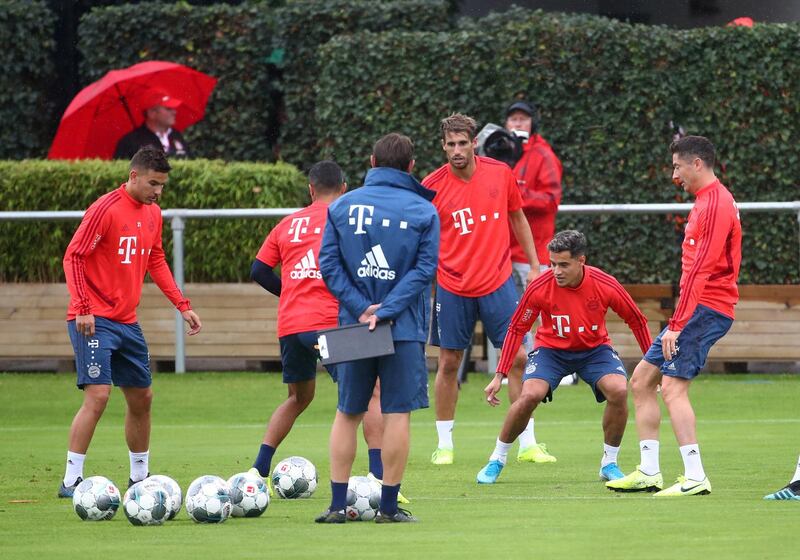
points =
(103, 112)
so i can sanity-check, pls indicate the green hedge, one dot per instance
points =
(608, 91)
(26, 33)
(302, 26)
(231, 43)
(218, 250)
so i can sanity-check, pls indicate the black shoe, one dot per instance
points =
(402, 516)
(131, 482)
(331, 516)
(68, 491)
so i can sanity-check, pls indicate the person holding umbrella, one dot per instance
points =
(160, 111)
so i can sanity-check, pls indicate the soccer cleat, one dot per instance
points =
(637, 481)
(267, 481)
(535, 454)
(402, 516)
(490, 473)
(611, 472)
(789, 492)
(131, 481)
(68, 491)
(329, 516)
(686, 487)
(442, 456)
(400, 498)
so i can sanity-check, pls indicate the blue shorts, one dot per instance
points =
(704, 328)
(454, 316)
(117, 353)
(403, 375)
(551, 365)
(299, 357)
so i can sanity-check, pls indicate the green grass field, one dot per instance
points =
(213, 423)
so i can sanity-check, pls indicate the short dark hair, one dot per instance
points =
(568, 240)
(326, 176)
(150, 158)
(394, 150)
(695, 147)
(459, 123)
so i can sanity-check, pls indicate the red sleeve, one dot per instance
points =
(514, 199)
(712, 233)
(542, 189)
(270, 253)
(93, 227)
(521, 322)
(161, 274)
(622, 303)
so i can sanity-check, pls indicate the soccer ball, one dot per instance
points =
(96, 499)
(249, 495)
(295, 477)
(146, 503)
(208, 500)
(363, 499)
(173, 491)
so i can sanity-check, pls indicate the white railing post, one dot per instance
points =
(177, 226)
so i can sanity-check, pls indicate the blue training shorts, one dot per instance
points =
(403, 375)
(454, 316)
(704, 328)
(117, 353)
(551, 365)
(299, 357)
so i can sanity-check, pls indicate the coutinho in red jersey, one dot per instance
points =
(572, 318)
(712, 255)
(305, 303)
(474, 254)
(117, 242)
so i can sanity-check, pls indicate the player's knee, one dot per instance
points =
(96, 401)
(617, 396)
(449, 362)
(528, 401)
(643, 381)
(302, 399)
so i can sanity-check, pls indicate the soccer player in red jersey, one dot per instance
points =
(305, 306)
(117, 242)
(476, 198)
(712, 254)
(571, 299)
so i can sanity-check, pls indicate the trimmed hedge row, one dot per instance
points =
(231, 43)
(26, 33)
(218, 250)
(610, 93)
(303, 25)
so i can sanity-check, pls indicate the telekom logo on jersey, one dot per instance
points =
(127, 248)
(561, 324)
(299, 227)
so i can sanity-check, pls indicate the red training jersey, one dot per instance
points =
(711, 255)
(117, 242)
(572, 318)
(474, 254)
(305, 303)
(538, 174)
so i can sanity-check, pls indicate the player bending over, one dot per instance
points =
(572, 299)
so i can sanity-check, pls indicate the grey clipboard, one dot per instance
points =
(355, 342)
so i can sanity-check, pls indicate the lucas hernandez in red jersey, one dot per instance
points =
(572, 299)
(711, 256)
(117, 242)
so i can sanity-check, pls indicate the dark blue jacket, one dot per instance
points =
(381, 245)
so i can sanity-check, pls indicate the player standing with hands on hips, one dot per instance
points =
(710, 260)
(378, 257)
(478, 203)
(117, 242)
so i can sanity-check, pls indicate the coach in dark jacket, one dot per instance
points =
(378, 257)
(159, 118)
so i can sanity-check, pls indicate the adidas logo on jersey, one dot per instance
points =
(306, 268)
(375, 265)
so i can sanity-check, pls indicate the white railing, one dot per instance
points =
(178, 217)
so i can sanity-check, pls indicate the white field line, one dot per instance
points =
(497, 424)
